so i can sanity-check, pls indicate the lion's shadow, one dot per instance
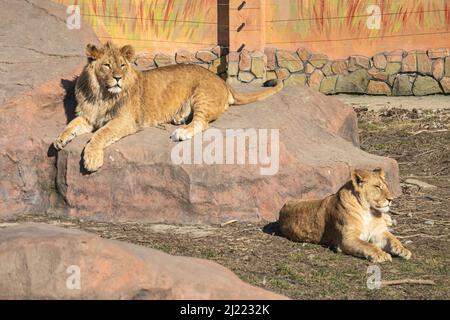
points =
(69, 103)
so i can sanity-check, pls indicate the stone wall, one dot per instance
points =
(399, 73)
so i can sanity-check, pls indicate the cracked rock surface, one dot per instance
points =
(36, 45)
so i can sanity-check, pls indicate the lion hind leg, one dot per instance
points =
(184, 115)
(197, 125)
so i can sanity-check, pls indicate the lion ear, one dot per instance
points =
(380, 172)
(92, 52)
(128, 52)
(358, 178)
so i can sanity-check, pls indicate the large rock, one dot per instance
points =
(38, 72)
(354, 82)
(36, 45)
(289, 60)
(425, 85)
(378, 88)
(318, 146)
(46, 262)
(403, 85)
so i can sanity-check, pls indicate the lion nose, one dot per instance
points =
(117, 78)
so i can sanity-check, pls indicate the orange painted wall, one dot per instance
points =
(339, 27)
(156, 25)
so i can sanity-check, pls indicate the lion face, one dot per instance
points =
(372, 189)
(111, 66)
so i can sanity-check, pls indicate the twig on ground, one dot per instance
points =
(408, 281)
(429, 131)
(425, 235)
(228, 222)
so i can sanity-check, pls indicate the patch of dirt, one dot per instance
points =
(418, 140)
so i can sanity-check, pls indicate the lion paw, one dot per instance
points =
(402, 252)
(60, 143)
(380, 257)
(93, 159)
(181, 134)
(177, 120)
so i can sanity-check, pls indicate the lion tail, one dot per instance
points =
(238, 98)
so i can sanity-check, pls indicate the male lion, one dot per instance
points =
(353, 220)
(116, 100)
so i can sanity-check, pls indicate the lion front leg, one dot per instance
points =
(76, 127)
(394, 246)
(359, 248)
(110, 133)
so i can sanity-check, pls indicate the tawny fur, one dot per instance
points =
(115, 100)
(353, 220)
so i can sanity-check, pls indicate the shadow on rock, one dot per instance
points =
(70, 102)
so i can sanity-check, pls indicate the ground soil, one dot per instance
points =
(418, 139)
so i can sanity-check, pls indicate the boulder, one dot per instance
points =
(271, 59)
(424, 63)
(402, 85)
(246, 76)
(447, 67)
(357, 62)
(395, 56)
(378, 75)
(205, 56)
(162, 60)
(425, 85)
(318, 146)
(296, 79)
(315, 79)
(289, 60)
(438, 53)
(438, 69)
(184, 56)
(393, 68)
(303, 53)
(29, 57)
(445, 83)
(327, 70)
(47, 262)
(328, 85)
(339, 66)
(36, 74)
(245, 61)
(318, 60)
(354, 82)
(409, 63)
(378, 88)
(379, 61)
(258, 64)
(144, 61)
(282, 73)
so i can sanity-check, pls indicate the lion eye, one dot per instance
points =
(122, 65)
(107, 65)
(378, 187)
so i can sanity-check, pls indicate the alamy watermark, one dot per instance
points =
(73, 20)
(234, 146)
(374, 279)
(73, 281)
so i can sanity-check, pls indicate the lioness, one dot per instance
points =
(116, 100)
(353, 220)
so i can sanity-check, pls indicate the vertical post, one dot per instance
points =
(223, 24)
(247, 25)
